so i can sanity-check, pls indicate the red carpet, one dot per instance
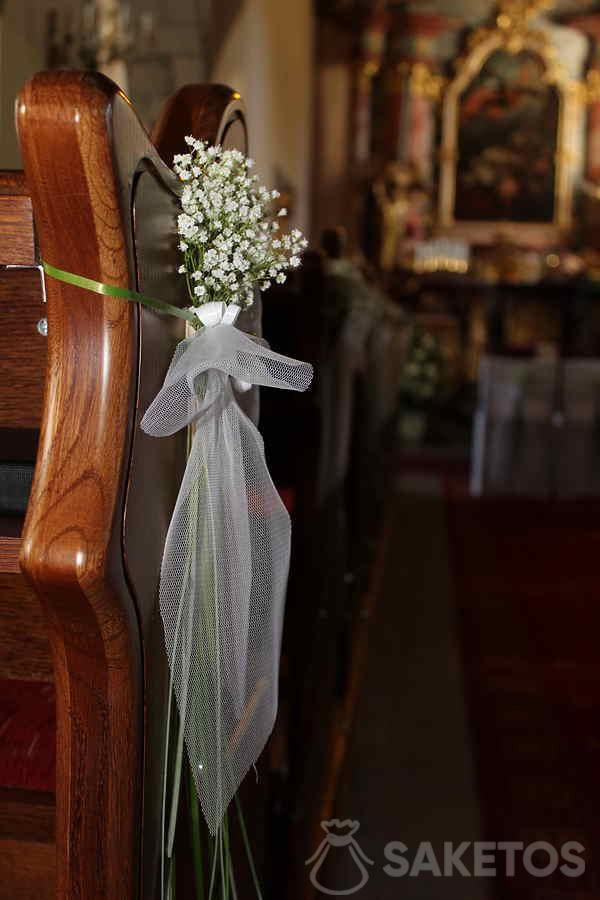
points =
(527, 585)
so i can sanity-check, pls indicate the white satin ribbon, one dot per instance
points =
(219, 313)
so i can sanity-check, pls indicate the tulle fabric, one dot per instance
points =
(226, 558)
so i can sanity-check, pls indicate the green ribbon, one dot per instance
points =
(108, 290)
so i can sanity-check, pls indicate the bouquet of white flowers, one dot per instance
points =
(228, 234)
(226, 557)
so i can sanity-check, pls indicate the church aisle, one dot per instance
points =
(408, 774)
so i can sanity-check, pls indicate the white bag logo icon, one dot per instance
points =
(339, 835)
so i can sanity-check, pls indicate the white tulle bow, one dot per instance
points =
(226, 557)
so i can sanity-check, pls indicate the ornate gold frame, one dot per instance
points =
(512, 32)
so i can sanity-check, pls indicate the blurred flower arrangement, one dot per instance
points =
(421, 384)
(422, 377)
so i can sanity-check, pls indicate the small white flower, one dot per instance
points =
(227, 227)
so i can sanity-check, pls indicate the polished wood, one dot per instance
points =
(16, 221)
(10, 548)
(27, 815)
(27, 851)
(194, 110)
(71, 551)
(24, 649)
(22, 346)
(14, 184)
(105, 206)
(27, 870)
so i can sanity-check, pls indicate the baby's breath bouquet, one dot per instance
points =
(227, 549)
(228, 233)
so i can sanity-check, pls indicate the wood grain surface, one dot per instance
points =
(16, 221)
(71, 549)
(22, 347)
(27, 850)
(27, 815)
(24, 648)
(10, 547)
(102, 495)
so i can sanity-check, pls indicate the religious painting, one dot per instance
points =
(507, 142)
(511, 123)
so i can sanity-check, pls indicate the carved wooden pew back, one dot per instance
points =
(104, 204)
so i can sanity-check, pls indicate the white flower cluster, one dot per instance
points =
(227, 232)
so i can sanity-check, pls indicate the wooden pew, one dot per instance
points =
(326, 612)
(88, 551)
(26, 816)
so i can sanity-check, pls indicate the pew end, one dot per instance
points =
(81, 530)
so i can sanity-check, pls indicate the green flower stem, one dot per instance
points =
(188, 637)
(176, 789)
(232, 882)
(248, 848)
(165, 876)
(109, 290)
(172, 879)
(195, 834)
(222, 859)
(213, 872)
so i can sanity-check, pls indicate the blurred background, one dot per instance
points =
(441, 679)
